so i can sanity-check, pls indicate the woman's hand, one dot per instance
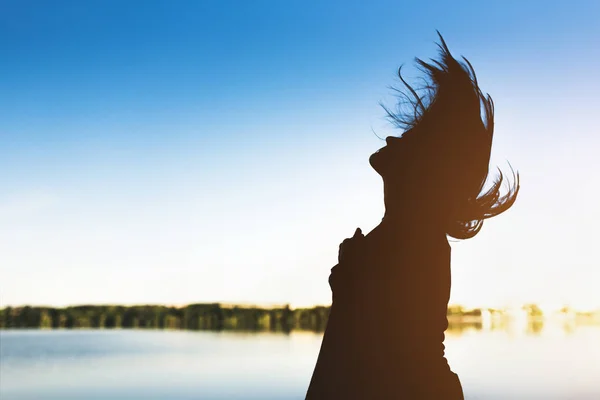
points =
(350, 246)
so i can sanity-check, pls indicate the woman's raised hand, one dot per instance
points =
(350, 246)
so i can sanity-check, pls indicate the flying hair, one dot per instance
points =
(450, 99)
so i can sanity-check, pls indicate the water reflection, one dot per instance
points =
(458, 328)
(516, 326)
(499, 359)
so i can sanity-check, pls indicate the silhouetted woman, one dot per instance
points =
(385, 333)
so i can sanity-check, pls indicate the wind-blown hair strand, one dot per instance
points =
(451, 97)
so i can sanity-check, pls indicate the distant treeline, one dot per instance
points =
(194, 316)
(212, 316)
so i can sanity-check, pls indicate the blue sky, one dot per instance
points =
(176, 152)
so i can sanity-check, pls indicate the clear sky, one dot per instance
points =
(199, 151)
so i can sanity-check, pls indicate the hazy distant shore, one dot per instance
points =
(216, 316)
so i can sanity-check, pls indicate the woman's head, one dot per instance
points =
(440, 163)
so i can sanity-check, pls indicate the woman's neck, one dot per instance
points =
(403, 224)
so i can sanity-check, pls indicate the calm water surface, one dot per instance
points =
(549, 362)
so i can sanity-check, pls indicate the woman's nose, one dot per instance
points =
(391, 139)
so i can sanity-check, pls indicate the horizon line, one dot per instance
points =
(275, 305)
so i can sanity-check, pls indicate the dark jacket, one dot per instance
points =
(384, 337)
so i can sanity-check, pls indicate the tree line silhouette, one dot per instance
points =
(210, 316)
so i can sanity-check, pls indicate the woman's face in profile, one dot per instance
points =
(410, 165)
(394, 159)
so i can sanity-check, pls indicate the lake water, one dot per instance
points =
(553, 361)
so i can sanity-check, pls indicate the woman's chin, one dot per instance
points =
(375, 161)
